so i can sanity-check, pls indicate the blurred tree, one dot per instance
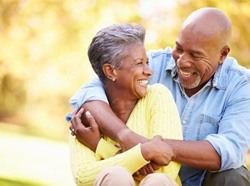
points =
(44, 57)
(239, 13)
(43, 53)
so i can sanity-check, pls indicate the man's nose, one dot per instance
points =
(184, 60)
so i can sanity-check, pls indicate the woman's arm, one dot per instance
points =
(85, 166)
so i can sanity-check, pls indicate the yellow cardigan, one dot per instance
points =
(154, 114)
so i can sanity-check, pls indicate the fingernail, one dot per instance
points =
(88, 113)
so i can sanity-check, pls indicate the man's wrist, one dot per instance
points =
(123, 135)
(172, 144)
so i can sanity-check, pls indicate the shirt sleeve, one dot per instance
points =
(85, 166)
(233, 138)
(91, 91)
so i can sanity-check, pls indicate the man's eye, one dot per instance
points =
(195, 57)
(179, 49)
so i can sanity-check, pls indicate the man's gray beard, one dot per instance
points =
(194, 84)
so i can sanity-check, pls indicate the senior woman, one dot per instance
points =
(118, 56)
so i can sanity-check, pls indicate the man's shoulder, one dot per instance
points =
(160, 60)
(160, 52)
(235, 70)
(232, 73)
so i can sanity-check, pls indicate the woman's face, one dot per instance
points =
(134, 72)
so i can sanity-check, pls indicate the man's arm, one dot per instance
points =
(111, 126)
(198, 154)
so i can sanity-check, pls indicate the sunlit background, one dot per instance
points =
(43, 61)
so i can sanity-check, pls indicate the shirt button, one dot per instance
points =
(184, 122)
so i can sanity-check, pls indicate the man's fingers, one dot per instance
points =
(158, 137)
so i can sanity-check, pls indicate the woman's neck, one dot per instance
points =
(121, 104)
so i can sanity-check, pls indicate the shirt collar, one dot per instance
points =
(221, 77)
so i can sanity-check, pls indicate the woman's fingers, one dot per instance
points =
(91, 120)
(76, 121)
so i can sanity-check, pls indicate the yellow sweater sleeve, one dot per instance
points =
(105, 149)
(85, 167)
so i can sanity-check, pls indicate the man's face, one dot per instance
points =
(196, 57)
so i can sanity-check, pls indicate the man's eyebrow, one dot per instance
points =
(198, 52)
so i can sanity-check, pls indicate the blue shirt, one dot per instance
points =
(218, 113)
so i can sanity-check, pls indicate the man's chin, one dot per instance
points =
(193, 85)
(190, 86)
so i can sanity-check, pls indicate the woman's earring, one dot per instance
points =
(113, 78)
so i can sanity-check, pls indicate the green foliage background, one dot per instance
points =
(43, 61)
(44, 43)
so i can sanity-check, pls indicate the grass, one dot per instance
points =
(11, 182)
(33, 161)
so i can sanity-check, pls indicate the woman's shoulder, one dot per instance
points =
(158, 91)
(158, 88)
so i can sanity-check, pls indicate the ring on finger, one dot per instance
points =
(73, 132)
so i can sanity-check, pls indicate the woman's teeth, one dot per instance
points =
(143, 82)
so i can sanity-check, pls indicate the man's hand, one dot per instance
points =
(128, 139)
(158, 151)
(89, 136)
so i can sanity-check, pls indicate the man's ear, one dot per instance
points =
(109, 71)
(224, 52)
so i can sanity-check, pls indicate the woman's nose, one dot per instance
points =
(147, 70)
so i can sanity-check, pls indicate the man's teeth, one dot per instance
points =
(185, 74)
(143, 82)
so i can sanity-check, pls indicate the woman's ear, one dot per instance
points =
(109, 71)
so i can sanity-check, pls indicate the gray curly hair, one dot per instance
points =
(111, 44)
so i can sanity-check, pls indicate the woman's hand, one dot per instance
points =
(89, 136)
